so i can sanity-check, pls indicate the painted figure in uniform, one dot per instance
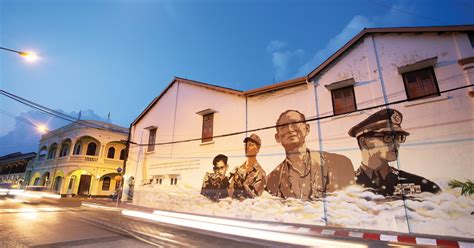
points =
(379, 137)
(249, 179)
(305, 174)
(215, 184)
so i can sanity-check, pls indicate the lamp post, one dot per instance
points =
(29, 56)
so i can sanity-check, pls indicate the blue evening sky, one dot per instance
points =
(115, 56)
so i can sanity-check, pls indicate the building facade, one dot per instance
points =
(81, 159)
(13, 167)
(410, 89)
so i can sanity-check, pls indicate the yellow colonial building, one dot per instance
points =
(81, 158)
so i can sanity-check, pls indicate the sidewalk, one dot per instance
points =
(314, 231)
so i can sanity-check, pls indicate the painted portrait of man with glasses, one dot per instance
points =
(379, 137)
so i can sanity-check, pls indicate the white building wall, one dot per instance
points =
(438, 148)
(447, 119)
(188, 161)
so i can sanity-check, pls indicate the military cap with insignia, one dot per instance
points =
(383, 121)
(254, 138)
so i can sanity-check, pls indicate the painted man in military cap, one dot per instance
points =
(215, 185)
(379, 137)
(305, 174)
(249, 179)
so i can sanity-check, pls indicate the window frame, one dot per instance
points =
(113, 153)
(95, 149)
(64, 150)
(433, 77)
(207, 138)
(108, 185)
(151, 143)
(77, 148)
(353, 99)
(470, 36)
(122, 154)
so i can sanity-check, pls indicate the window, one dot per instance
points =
(106, 183)
(52, 151)
(471, 38)
(151, 140)
(122, 154)
(77, 149)
(420, 83)
(91, 148)
(207, 127)
(174, 180)
(64, 150)
(111, 153)
(343, 100)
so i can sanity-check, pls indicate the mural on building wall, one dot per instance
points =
(249, 179)
(305, 174)
(379, 138)
(215, 185)
(324, 188)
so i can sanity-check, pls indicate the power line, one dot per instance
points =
(93, 125)
(17, 118)
(304, 121)
(58, 114)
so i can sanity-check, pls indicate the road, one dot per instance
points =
(64, 223)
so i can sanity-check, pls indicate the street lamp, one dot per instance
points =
(42, 128)
(29, 56)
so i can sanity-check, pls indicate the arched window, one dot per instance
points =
(122, 154)
(111, 153)
(106, 183)
(77, 148)
(91, 148)
(42, 153)
(64, 150)
(52, 151)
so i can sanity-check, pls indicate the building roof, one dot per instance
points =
(89, 124)
(188, 81)
(277, 86)
(17, 156)
(322, 66)
(365, 31)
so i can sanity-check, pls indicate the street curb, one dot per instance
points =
(325, 231)
(404, 239)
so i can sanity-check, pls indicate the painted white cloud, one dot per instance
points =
(446, 213)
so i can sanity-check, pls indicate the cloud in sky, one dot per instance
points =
(24, 137)
(283, 59)
(393, 17)
(275, 45)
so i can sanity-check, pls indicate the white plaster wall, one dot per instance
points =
(193, 159)
(160, 116)
(441, 131)
(187, 160)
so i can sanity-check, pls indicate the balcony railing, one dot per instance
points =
(78, 159)
(82, 158)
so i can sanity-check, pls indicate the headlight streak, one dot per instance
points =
(242, 231)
